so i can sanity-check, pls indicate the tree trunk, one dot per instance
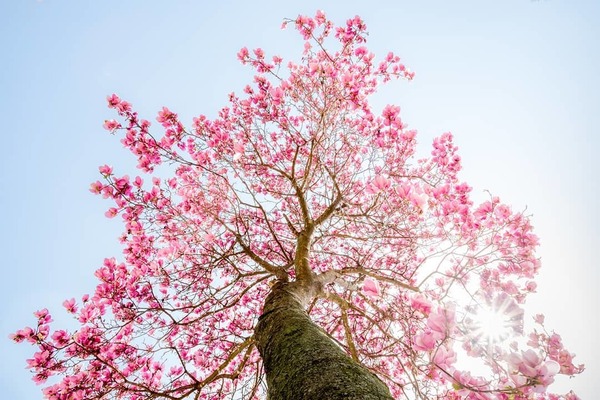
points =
(301, 362)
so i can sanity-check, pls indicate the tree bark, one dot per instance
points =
(301, 362)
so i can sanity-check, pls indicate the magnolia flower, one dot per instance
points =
(380, 183)
(371, 288)
(426, 341)
(444, 357)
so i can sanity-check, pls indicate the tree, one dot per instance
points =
(297, 238)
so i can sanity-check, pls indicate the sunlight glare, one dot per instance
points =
(492, 326)
(495, 323)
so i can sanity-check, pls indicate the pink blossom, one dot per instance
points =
(166, 117)
(111, 212)
(547, 372)
(277, 95)
(531, 286)
(113, 100)
(60, 337)
(111, 125)
(439, 322)
(70, 305)
(419, 200)
(464, 381)
(320, 17)
(391, 114)
(421, 303)
(22, 334)
(408, 134)
(43, 316)
(209, 238)
(444, 357)
(105, 170)
(371, 287)
(381, 182)
(527, 363)
(238, 150)
(243, 54)
(40, 359)
(138, 182)
(361, 51)
(259, 53)
(403, 190)
(96, 187)
(426, 340)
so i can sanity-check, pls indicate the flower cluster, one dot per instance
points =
(297, 175)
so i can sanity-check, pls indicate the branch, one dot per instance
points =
(335, 276)
(280, 273)
(334, 204)
(290, 225)
(301, 264)
(348, 333)
(302, 202)
(360, 270)
(343, 304)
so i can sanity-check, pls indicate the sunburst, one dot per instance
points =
(496, 320)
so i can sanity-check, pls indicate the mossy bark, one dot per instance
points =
(301, 362)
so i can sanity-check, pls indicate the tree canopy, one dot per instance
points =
(299, 179)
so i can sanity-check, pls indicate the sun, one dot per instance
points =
(496, 320)
(492, 326)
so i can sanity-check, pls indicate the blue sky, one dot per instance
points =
(514, 80)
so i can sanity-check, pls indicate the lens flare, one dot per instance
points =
(496, 321)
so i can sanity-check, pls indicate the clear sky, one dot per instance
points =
(516, 81)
